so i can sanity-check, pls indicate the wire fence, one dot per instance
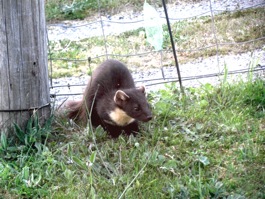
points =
(202, 60)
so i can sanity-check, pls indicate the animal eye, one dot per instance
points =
(137, 108)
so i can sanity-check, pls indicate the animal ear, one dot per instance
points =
(141, 88)
(120, 96)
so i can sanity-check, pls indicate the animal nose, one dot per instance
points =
(148, 117)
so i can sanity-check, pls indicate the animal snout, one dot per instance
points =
(148, 118)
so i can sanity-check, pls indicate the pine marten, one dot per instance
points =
(116, 104)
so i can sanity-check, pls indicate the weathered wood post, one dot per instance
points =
(24, 86)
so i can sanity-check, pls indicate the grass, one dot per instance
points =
(57, 10)
(206, 144)
(188, 42)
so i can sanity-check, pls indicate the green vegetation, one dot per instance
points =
(206, 144)
(189, 35)
(68, 9)
(80, 9)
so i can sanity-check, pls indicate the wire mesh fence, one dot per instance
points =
(201, 60)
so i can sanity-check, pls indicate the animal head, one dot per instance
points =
(134, 103)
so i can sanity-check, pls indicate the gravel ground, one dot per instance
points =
(125, 21)
(195, 68)
(76, 30)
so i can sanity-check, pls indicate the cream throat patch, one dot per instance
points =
(120, 118)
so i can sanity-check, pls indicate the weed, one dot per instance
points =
(189, 43)
(206, 144)
(69, 9)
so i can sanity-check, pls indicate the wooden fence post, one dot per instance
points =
(24, 86)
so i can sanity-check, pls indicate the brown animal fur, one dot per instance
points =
(110, 99)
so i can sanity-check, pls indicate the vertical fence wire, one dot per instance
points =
(165, 78)
(214, 34)
(172, 44)
(161, 64)
(50, 57)
(102, 29)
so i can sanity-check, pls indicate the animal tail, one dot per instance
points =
(76, 110)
